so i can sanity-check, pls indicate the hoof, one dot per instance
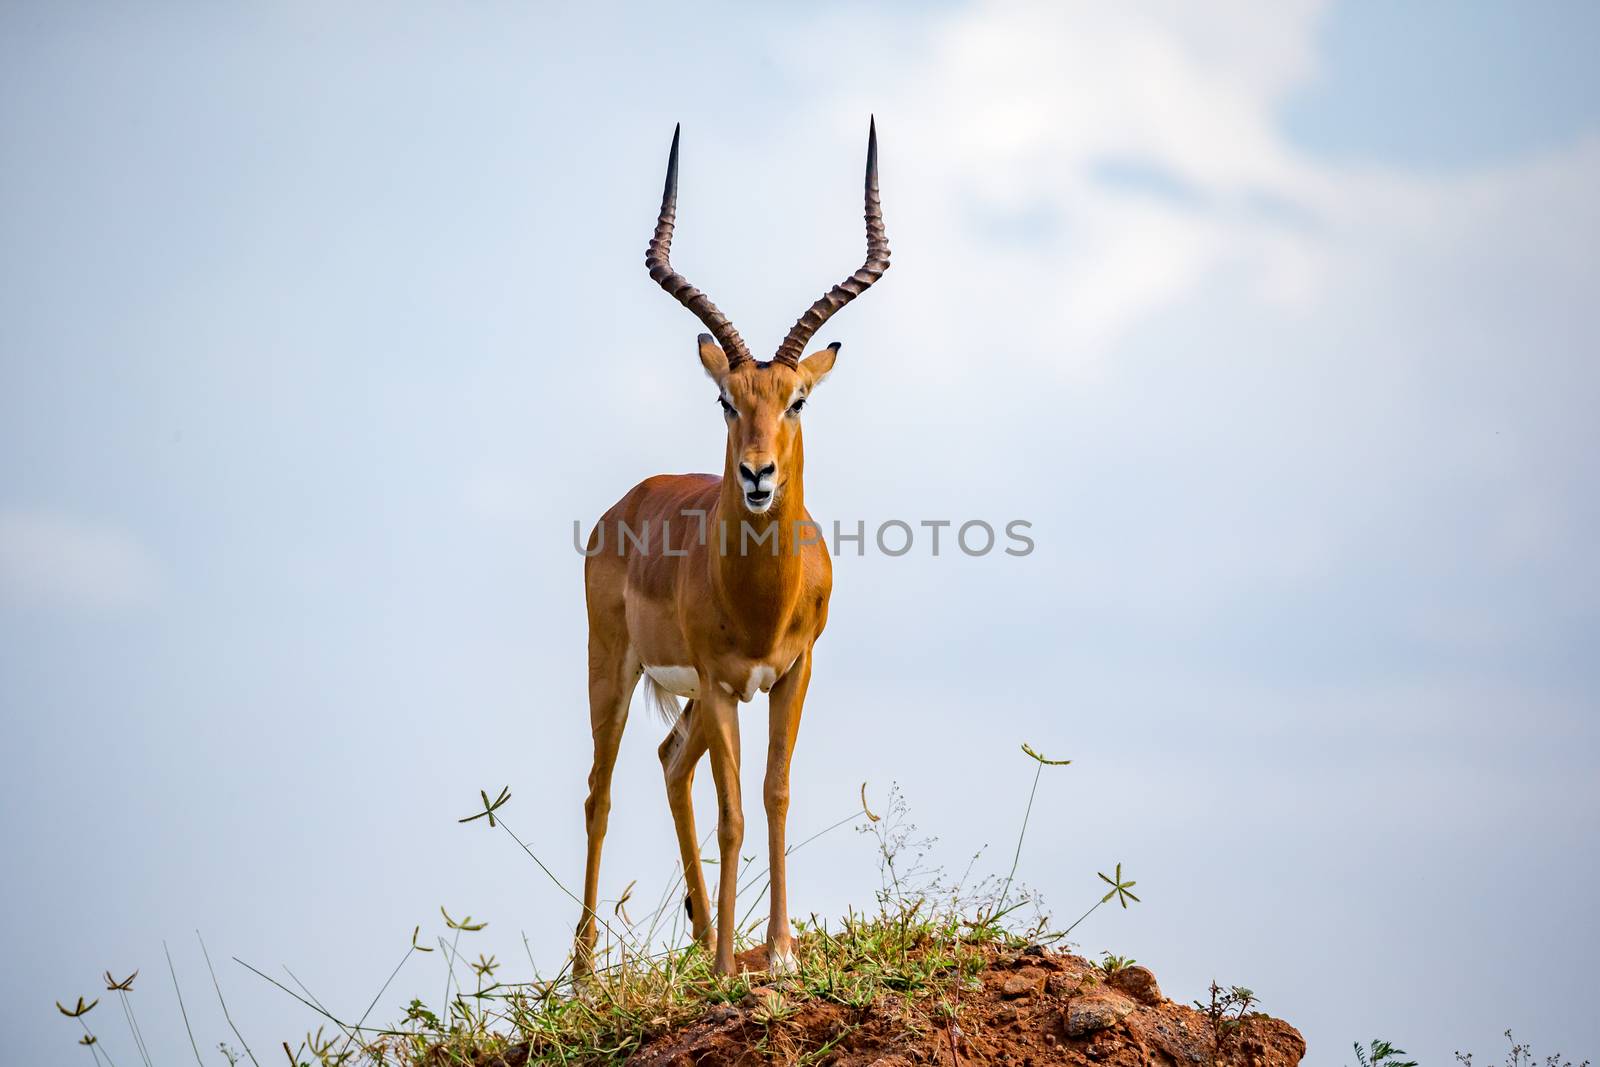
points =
(782, 963)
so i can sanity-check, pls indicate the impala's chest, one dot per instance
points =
(737, 633)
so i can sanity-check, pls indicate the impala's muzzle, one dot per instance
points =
(760, 485)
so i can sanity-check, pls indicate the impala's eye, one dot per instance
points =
(727, 408)
(797, 406)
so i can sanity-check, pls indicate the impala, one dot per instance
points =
(699, 616)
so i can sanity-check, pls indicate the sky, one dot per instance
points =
(320, 327)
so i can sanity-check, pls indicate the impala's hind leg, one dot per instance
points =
(613, 673)
(679, 753)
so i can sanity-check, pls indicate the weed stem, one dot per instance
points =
(1017, 856)
(174, 971)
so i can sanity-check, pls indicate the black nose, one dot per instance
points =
(755, 476)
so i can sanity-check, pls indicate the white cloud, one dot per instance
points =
(67, 562)
(1383, 376)
(1015, 109)
(1012, 111)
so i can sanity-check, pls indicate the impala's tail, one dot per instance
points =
(663, 702)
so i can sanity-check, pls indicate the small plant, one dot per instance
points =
(770, 1012)
(1119, 891)
(1040, 763)
(1225, 1012)
(1111, 963)
(417, 1012)
(322, 1048)
(1520, 1054)
(122, 987)
(772, 1009)
(902, 872)
(78, 1011)
(1380, 1053)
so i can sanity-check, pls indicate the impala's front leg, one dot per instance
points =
(784, 723)
(721, 733)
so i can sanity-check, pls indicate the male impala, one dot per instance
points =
(721, 593)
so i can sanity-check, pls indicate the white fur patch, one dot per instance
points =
(685, 681)
(762, 677)
(680, 681)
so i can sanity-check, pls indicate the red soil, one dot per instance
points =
(1035, 1007)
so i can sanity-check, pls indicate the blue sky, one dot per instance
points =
(319, 328)
(1441, 86)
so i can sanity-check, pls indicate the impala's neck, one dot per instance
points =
(757, 575)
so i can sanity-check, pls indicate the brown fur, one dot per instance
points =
(725, 613)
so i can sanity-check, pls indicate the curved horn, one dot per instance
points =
(657, 260)
(794, 345)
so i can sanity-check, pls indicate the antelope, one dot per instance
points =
(699, 617)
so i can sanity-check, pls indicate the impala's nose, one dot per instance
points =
(758, 481)
(754, 478)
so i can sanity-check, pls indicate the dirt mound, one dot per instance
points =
(1023, 1007)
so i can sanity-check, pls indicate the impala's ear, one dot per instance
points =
(816, 366)
(713, 358)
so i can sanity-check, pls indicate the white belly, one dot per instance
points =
(680, 681)
(685, 681)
